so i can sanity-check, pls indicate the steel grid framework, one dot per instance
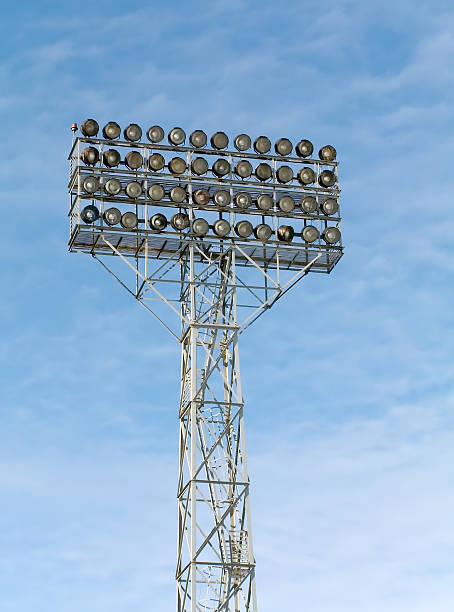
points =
(205, 290)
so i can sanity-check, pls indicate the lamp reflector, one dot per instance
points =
(262, 144)
(219, 140)
(133, 132)
(177, 136)
(327, 153)
(221, 227)
(112, 187)
(201, 197)
(264, 201)
(90, 184)
(242, 142)
(286, 204)
(198, 139)
(331, 235)
(221, 167)
(89, 128)
(200, 227)
(243, 169)
(90, 214)
(134, 160)
(178, 194)
(221, 197)
(177, 165)
(179, 221)
(90, 156)
(112, 216)
(156, 192)
(199, 165)
(244, 229)
(330, 206)
(304, 148)
(129, 220)
(158, 222)
(310, 233)
(284, 174)
(111, 158)
(309, 204)
(111, 130)
(306, 176)
(285, 233)
(263, 232)
(283, 146)
(263, 172)
(156, 162)
(327, 178)
(133, 189)
(243, 200)
(155, 133)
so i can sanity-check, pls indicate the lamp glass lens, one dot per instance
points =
(283, 146)
(242, 142)
(327, 178)
(89, 128)
(221, 167)
(286, 204)
(219, 140)
(177, 136)
(111, 158)
(90, 156)
(244, 229)
(112, 187)
(310, 233)
(133, 132)
(156, 192)
(284, 174)
(306, 176)
(112, 216)
(285, 233)
(331, 235)
(158, 222)
(90, 184)
(90, 214)
(156, 162)
(243, 169)
(327, 153)
(304, 148)
(177, 165)
(330, 206)
(263, 172)
(221, 227)
(200, 227)
(129, 220)
(134, 160)
(309, 204)
(198, 139)
(178, 194)
(179, 221)
(133, 189)
(264, 201)
(263, 232)
(262, 144)
(201, 197)
(199, 165)
(243, 200)
(155, 133)
(111, 130)
(221, 198)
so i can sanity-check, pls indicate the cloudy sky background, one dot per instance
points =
(348, 382)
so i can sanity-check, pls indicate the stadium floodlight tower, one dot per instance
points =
(206, 238)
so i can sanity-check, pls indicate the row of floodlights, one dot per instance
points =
(199, 166)
(200, 227)
(202, 197)
(198, 139)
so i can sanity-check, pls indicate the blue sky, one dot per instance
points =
(348, 382)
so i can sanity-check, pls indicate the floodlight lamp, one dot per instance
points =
(243, 169)
(178, 194)
(89, 128)
(284, 174)
(327, 178)
(285, 233)
(264, 201)
(243, 200)
(133, 132)
(134, 160)
(90, 184)
(198, 139)
(309, 204)
(111, 158)
(242, 142)
(263, 172)
(327, 153)
(133, 189)
(179, 221)
(112, 216)
(221, 227)
(221, 167)
(200, 227)
(156, 162)
(90, 214)
(283, 146)
(304, 148)
(243, 229)
(199, 165)
(90, 156)
(177, 136)
(262, 144)
(177, 165)
(331, 235)
(219, 140)
(155, 133)
(112, 187)
(306, 176)
(286, 204)
(263, 232)
(310, 233)
(156, 192)
(158, 222)
(129, 220)
(111, 130)
(201, 197)
(329, 206)
(221, 198)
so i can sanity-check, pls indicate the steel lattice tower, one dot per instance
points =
(206, 288)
